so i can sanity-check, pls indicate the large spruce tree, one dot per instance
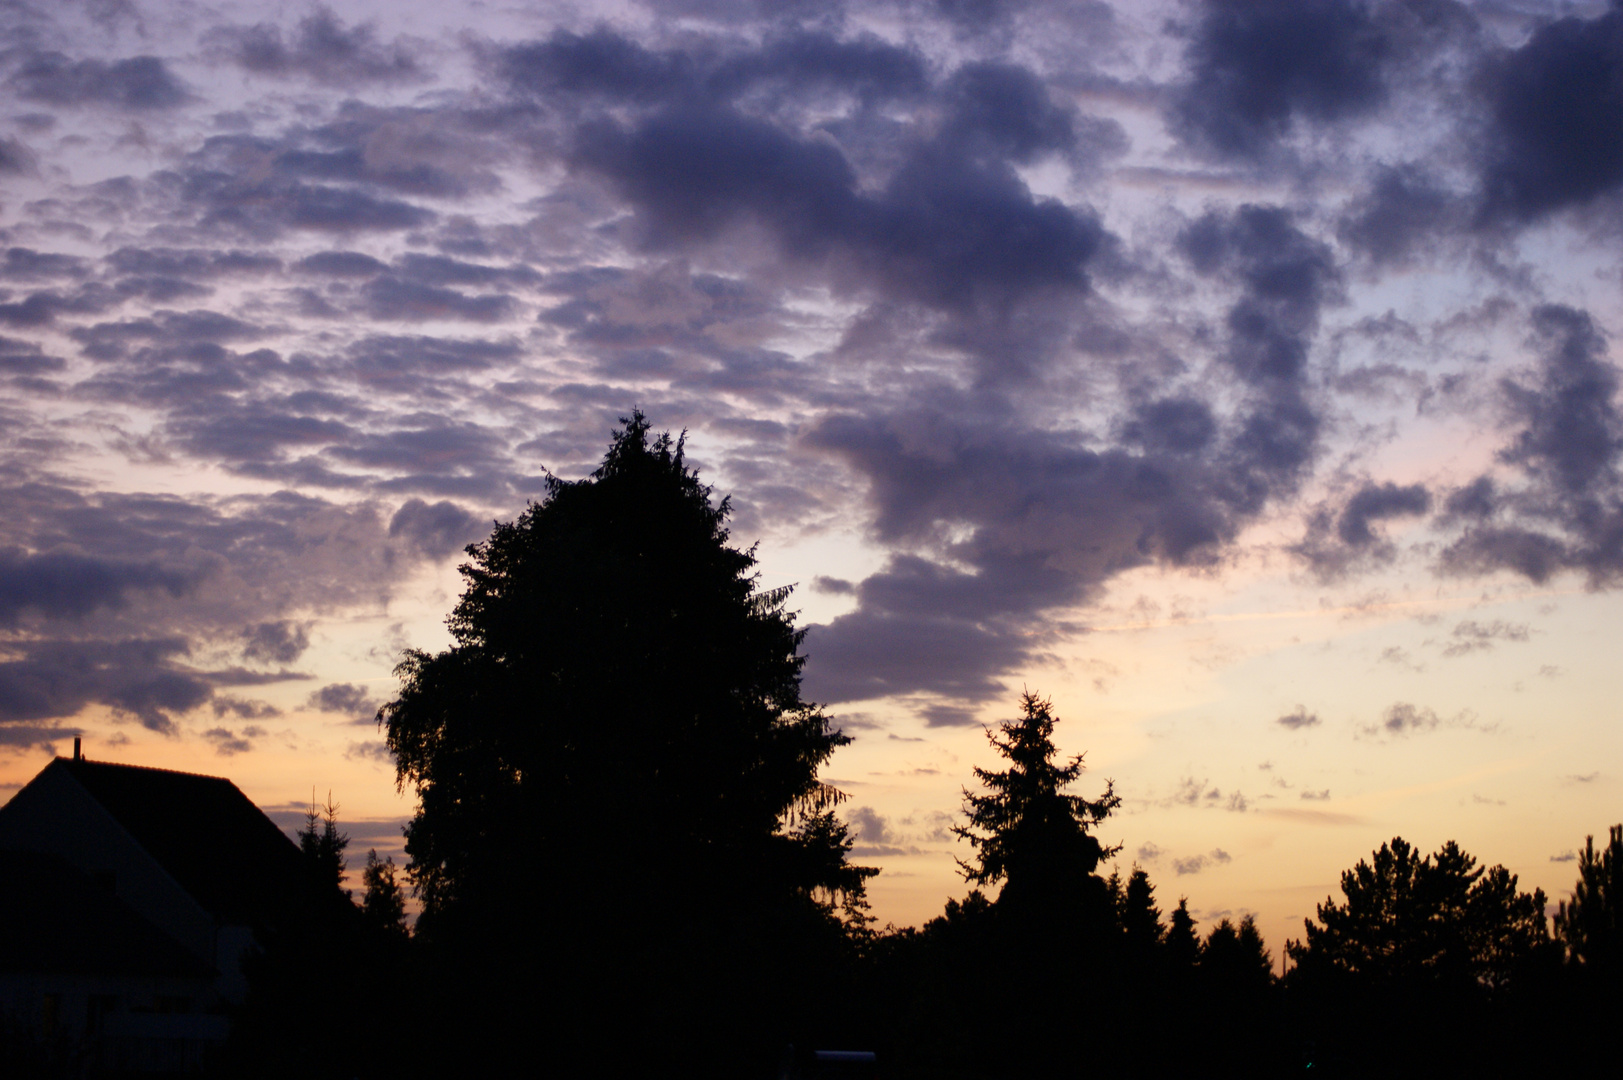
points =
(616, 773)
(1027, 831)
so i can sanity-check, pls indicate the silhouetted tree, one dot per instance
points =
(617, 775)
(1182, 944)
(1026, 831)
(383, 903)
(1054, 923)
(1587, 926)
(323, 844)
(317, 974)
(1141, 919)
(1234, 960)
(1421, 945)
(1438, 920)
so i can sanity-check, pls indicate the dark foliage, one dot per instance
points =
(619, 796)
(1587, 926)
(323, 844)
(1439, 922)
(383, 903)
(617, 783)
(1085, 975)
(1026, 831)
(1182, 944)
(319, 973)
(1421, 944)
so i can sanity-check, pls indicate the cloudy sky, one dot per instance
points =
(1239, 374)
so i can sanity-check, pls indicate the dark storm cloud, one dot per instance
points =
(321, 48)
(953, 225)
(1287, 276)
(279, 642)
(392, 299)
(1258, 68)
(1041, 522)
(1401, 216)
(43, 307)
(16, 158)
(227, 743)
(69, 584)
(949, 232)
(26, 358)
(1338, 543)
(25, 264)
(348, 699)
(261, 187)
(190, 263)
(396, 362)
(138, 678)
(138, 83)
(1572, 432)
(1379, 502)
(1568, 511)
(1255, 67)
(170, 579)
(1557, 106)
(436, 529)
(341, 264)
(249, 432)
(606, 65)
(1286, 279)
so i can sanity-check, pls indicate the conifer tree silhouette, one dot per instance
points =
(1025, 829)
(1590, 924)
(617, 777)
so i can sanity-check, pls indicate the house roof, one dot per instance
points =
(205, 833)
(59, 920)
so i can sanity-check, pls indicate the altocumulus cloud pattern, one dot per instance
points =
(1030, 295)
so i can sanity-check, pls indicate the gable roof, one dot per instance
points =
(59, 920)
(205, 833)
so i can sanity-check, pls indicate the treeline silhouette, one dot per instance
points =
(628, 865)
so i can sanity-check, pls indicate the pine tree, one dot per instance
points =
(383, 903)
(1140, 918)
(1182, 943)
(1439, 921)
(617, 777)
(1234, 959)
(1588, 926)
(1026, 831)
(323, 845)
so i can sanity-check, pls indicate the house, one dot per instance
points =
(128, 896)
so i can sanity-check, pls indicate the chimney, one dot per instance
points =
(76, 754)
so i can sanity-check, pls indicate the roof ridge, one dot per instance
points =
(71, 762)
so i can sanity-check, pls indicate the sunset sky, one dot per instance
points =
(1240, 375)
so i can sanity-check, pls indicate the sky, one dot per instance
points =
(1240, 375)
